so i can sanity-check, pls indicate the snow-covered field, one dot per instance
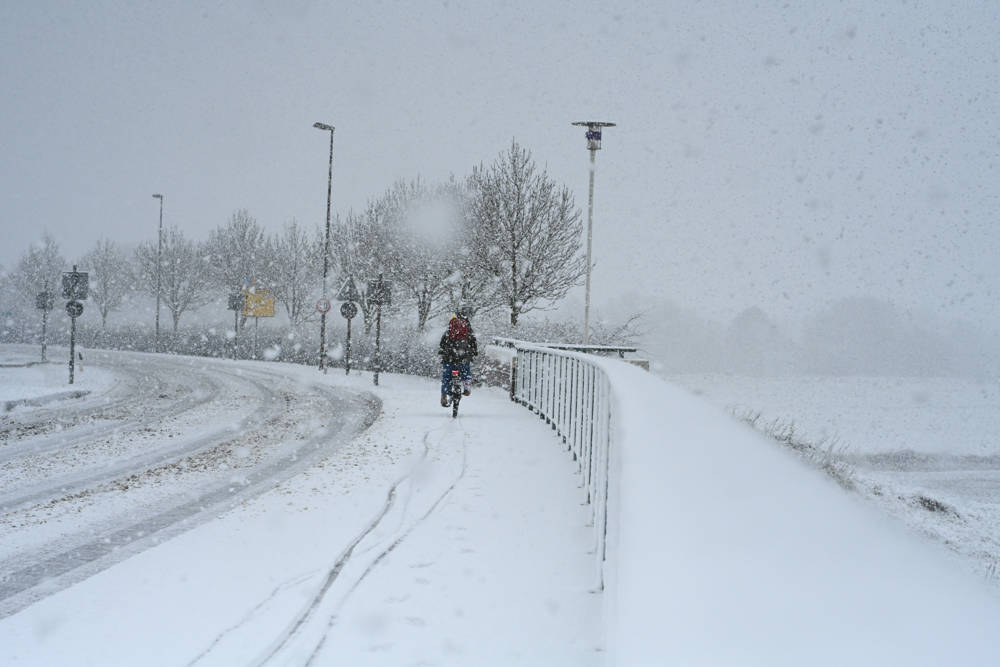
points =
(925, 450)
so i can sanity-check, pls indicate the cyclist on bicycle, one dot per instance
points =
(457, 348)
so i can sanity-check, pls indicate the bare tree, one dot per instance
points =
(185, 282)
(39, 270)
(527, 231)
(293, 269)
(237, 253)
(110, 278)
(364, 246)
(429, 230)
(469, 287)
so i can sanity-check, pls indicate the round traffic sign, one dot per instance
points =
(74, 308)
(348, 310)
(323, 305)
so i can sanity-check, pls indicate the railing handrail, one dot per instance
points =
(572, 393)
(620, 350)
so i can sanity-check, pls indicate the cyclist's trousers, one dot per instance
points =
(465, 372)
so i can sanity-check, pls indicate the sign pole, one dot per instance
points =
(347, 350)
(75, 286)
(45, 319)
(72, 346)
(379, 293)
(43, 301)
(348, 310)
(378, 336)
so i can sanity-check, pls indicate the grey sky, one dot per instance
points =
(766, 155)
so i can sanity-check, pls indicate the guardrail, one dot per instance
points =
(572, 394)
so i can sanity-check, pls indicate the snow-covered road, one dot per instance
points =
(423, 540)
(87, 482)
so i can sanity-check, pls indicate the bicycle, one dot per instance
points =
(455, 389)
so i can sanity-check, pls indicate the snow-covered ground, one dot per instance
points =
(46, 381)
(427, 540)
(925, 450)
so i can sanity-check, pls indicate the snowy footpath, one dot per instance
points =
(426, 541)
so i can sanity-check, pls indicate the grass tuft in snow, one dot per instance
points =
(827, 454)
(933, 505)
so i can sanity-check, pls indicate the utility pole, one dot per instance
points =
(593, 145)
(159, 252)
(326, 248)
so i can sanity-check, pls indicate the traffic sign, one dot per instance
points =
(74, 309)
(45, 301)
(348, 310)
(75, 284)
(323, 305)
(348, 291)
(380, 292)
(258, 302)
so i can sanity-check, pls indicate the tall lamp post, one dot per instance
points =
(159, 252)
(326, 248)
(593, 145)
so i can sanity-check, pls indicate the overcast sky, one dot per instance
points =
(767, 153)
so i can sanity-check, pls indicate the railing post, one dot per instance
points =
(513, 378)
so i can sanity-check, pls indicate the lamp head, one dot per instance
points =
(593, 132)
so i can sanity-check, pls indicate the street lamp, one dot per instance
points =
(593, 145)
(326, 248)
(159, 251)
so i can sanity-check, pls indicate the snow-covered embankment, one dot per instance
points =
(725, 549)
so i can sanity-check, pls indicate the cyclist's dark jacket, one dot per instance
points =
(458, 344)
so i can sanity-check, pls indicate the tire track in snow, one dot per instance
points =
(53, 489)
(332, 575)
(348, 555)
(388, 550)
(73, 558)
(280, 588)
(141, 387)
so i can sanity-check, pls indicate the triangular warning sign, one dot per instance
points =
(348, 291)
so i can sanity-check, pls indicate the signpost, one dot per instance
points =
(379, 294)
(257, 303)
(45, 301)
(236, 303)
(323, 307)
(348, 311)
(75, 285)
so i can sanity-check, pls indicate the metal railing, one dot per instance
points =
(607, 350)
(572, 394)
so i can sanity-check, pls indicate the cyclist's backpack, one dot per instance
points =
(458, 329)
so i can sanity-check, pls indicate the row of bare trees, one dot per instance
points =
(505, 237)
(508, 237)
(191, 273)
